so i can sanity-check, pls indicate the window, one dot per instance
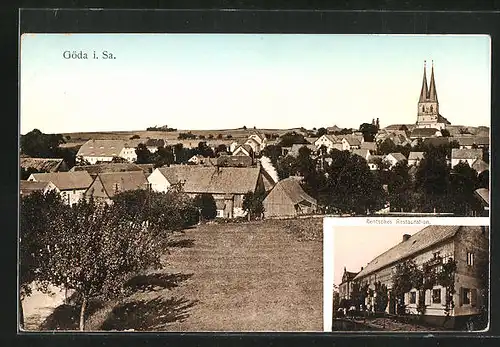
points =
(470, 259)
(436, 296)
(413, 297)
(466, 296)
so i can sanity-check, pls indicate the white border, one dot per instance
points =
(329, 224)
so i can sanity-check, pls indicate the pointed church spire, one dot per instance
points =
(432, 86)
(424, 91)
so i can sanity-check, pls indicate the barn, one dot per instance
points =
(288, 199)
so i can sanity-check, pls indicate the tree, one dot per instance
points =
(252, 204)
(406, 277)
(273, 152)
(163, 156)
(290, 138)
(387, 146)
(445, 133)
(144, 156)
(206, 204)
(432, 182)
(222, 148)
(97, 250)
(321, 131)
(463, 182)
(39, 213)
(399, 187)
(286, 167)
(369, 131)
(133, 137)
(37, 144)
(119, 160)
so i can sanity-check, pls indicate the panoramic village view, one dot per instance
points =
(174, 228)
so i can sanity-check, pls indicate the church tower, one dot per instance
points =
(428, 105)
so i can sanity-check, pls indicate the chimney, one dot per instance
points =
(406, 237)
(361, 268)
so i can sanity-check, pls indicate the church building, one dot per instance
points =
(428, 106)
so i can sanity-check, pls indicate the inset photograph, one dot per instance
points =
(409, 278)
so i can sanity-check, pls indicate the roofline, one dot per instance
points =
(408, 256)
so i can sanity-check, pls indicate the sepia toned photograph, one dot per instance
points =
(179, 182)
(403, 277)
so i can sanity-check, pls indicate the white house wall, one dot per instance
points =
(158, 182)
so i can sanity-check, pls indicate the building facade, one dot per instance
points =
(434, 246)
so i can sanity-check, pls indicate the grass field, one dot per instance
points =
(259, 276)
(81, 137)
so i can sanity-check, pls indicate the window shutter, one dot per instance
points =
(427, 297)
(407, 295)
(417, 296)
(473, 297)
(460, 296)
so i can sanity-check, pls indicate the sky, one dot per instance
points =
(356, 246)
(220, 81)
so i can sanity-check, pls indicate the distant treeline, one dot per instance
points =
(162, 128)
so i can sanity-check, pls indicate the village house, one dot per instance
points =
(28, 187)
(197, 159)
(374, 161)
(414, 158)
(480, 166)
(363, 153)
(483, 195)
(95, 151)
(288, 199)
(329, 141)
(96, 169)
(227, 185)
(257, 141)
(108, 184)
(434, 245)
(394, 158)
(424, 133)
(346, 286)
(71, 185)
(44, 164)
(244, 150)
(350, 142)
(370, 146)
(468, 156)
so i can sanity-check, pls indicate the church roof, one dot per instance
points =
(432, 87)
(424, 91)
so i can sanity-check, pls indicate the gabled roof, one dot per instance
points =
(398, 156)
(96, 169)
(416, 156)
(441, 119)
(373, 159)
(484, 195)
(480, 165)
(41, 164)
(352, 140)
(117, 182)
(465, 153)
(418, 242)
(424, 132)
(471, 140)
(437, 141)
(371, 146)
(28, 187)
(215, 180)
(234, 160)
(363, 153)
(348, 276)
(294, 191)
(311, 139)
(246, 147)
(331, 138)
(65, 180)
(104, 148)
